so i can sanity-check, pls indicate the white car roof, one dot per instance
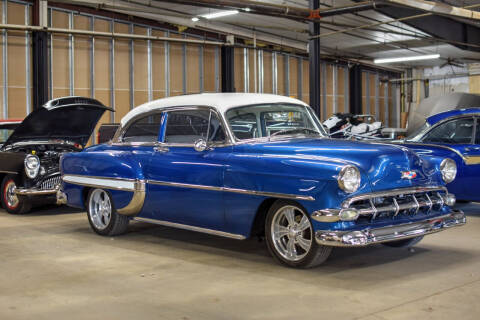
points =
(221, 101)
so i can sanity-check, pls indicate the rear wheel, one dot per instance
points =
(12, 203)
(290, 236)
(406, 243)
(102, 215)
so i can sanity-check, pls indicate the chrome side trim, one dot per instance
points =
(132, 185)
(113, 183)
(11, 172)
(469, 160)
(234, 190)
(368, 236)
(192, 228)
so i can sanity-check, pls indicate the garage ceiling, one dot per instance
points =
(380, 41)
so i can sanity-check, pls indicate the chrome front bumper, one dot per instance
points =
(61, 197)
(367, 236)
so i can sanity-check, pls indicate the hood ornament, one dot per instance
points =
(409, 175)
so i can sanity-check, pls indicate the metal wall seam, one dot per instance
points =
(50, 80)
(131, 70)
(246, 71)
(217, 69)
(346, 94)
(184, 64)
(255, 72)
(335, 88)
(367, 93)
(274, 73)
(396, 105)
(5, 62)
(299, 78)
(167, 66)
(201, 67)
(286, 74)
(92, 59)
(27, 63)
(260, 71)
(149, 66)
(377, 98)
(324, 91)
(385, 104)
(71, 57)
(112, 72)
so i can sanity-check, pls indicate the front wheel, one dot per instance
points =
(102, 215)
(12, 203)
(290, 236)
(406, 243)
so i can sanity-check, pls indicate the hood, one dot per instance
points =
(69, 118)
(380, 164)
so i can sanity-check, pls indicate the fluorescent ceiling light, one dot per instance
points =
(195, 19)
(402, 59)
(219, 14)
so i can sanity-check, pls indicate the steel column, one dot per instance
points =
(167, 66)
(377, 96)
(246, 71)
(323, 85)
(346, 89)
(335, 88)
(300, 78)
(201, 67)
(274, 73)
(40, 68)
(228, 69)
(286, 74)
(314, 60)
(385, 104)
(112, 72)
(367, 93)
(217, 71)
(355, 89)
(27, 64)
(149, 67)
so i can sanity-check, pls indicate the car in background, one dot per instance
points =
(29, 158)
(456, 134)
(240, 165)
(7, 126)
(106, 132)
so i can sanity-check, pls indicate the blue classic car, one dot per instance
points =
(454, 134)
(243, 165)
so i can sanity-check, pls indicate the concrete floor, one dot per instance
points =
(52, 266)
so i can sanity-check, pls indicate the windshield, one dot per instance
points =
(418, 134)
(266, 120)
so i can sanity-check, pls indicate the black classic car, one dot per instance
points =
(29, 159)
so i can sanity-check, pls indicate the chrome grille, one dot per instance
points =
(397, 203)
(51, 183)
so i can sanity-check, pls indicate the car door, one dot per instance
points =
(185, 185)
(458, 134)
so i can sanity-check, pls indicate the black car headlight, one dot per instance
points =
(448, 168)
(32, 165)
(349, 179)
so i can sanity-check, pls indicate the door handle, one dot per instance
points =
(160, 149)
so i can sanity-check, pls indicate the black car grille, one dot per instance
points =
(398, 203)
(51, 183)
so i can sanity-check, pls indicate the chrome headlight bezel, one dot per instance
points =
(32, 166)
(448, 168)
(354, 178)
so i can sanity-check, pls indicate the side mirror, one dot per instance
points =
(200, 145)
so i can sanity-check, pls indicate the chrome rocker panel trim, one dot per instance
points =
(226, 189)
(132, 185)
(368, 236)
(192, 228)
(34, 192)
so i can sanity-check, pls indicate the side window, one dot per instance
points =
(145, 129)
(457, 131)
(187, 126)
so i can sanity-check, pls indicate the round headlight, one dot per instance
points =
(32, 165)
(448, 168)
(349, 179)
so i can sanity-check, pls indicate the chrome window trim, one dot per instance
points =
(233, 190)
(117, 139)
(192, 228)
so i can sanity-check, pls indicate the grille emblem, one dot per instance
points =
(409, 175)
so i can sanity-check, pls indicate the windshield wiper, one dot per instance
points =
(306, 130)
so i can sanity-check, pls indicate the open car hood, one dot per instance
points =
(70, 118)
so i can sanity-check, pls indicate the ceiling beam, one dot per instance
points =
(437, 8)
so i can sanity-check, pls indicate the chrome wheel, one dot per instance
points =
(291, 233)
(100, 209)
(10, 196)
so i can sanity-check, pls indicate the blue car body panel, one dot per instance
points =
(468, 173)
(305, 167)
